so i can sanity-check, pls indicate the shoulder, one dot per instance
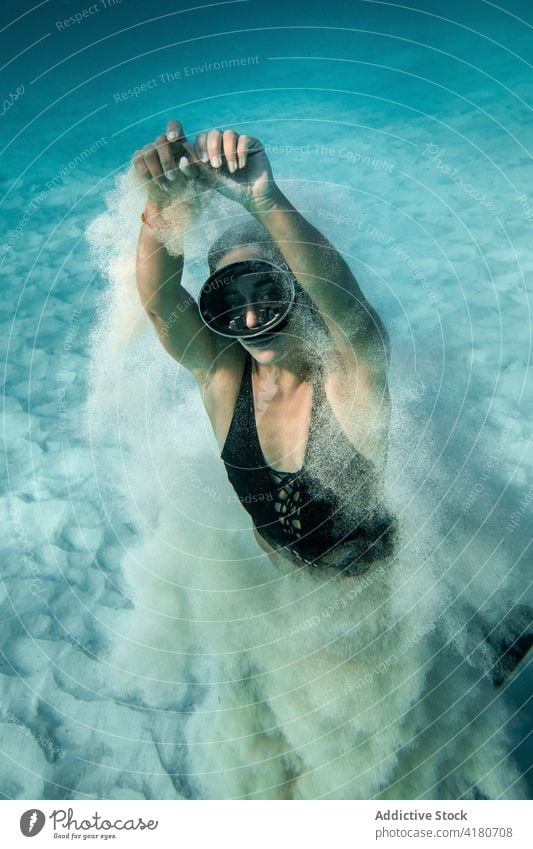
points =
(220, 388)
(357, 390)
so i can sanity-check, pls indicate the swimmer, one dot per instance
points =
(290, 358)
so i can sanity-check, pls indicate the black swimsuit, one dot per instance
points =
(324, 514)
(332, 518)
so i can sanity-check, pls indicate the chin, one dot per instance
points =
(265, 356)
(268, 358)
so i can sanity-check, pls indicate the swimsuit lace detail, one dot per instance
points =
(287, 502)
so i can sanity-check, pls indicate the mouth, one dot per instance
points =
(261, 341)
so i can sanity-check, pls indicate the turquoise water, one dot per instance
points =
(134, 600)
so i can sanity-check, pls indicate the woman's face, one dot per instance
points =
(270, 348)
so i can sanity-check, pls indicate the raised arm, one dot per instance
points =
(171, 309)
(237, 166)
(326, 277)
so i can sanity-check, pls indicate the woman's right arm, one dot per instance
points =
(171, 309)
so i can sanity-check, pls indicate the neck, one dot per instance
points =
(291, 371)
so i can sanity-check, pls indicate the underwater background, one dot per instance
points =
(148, 649)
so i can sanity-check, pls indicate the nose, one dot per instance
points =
(251, 317)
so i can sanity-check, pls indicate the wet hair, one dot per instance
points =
(247, 233)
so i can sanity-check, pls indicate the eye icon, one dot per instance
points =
(32, 822)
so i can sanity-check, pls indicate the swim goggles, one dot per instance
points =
(230, 293)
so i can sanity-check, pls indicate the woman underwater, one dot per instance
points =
(290, 358)
(345, 688)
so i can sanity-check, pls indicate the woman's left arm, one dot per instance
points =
(324, 275)
(238, 167)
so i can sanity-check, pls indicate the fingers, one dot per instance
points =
(174, 131)
(216, 146)
(182, 151)
(172, 157)
(153, 163)
(243, 146)
(229, 141)
(200, 146)
(140, 165)
(188, 159)
(149, 167)
(167, 158)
